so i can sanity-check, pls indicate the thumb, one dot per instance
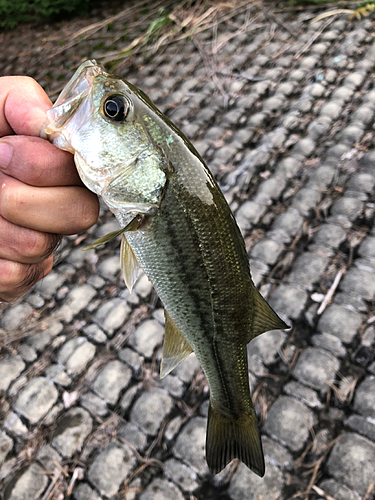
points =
(23, 104)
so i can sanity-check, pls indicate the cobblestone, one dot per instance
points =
(94, 404)
(48, 286)
(134, 436)
(248, 486)
(352, 462)
(340, 491)
(14, 425)
(307, 270)
(147, 337)
(112, 315)
(6, 444)
(362, 425)
(276, 453)
(48, 457)
(36, 399)
(341, 322)
(159, 489)
(289, 422)
(329, 343)
(71, 431)
(40, 340)
(288, 300)
(190, 445)
(364, 402)
(29, 485)
(76, 354)
(267, 250)
(14, 318)
(150, 409)
(112, 379)
(111, 467)
(267, 347)
(78, 299)
(316, 368)
(330, 235)
(180, 474)
(303, 393)
(346, 209)
(360, 282)
(84, 492)
(10, 369)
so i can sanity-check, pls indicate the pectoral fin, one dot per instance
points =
(132, 226)
(175, 348)
(265, 318)
(129, 264)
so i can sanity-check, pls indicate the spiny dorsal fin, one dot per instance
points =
(128, 263)
(228, 438)
(175, 349)
(265, 318)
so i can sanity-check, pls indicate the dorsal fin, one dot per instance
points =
(175, 349)
(265, 318)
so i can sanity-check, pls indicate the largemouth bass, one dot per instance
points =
(178, 227)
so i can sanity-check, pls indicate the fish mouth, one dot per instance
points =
(69, 100)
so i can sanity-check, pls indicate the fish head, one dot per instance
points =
(100, 119)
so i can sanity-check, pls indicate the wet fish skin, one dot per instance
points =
(179, 228)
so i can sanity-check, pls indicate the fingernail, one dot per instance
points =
(6, 152)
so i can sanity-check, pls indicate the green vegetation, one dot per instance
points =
(12, 12)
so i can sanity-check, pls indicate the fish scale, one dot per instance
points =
(179, 228)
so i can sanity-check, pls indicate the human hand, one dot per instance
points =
(41, 195)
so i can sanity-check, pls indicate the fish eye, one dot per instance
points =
(115, 108)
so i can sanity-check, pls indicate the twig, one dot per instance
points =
(93, 28)
(316, 467)
(368, 491)
(313, 38)
(279, 21)
(58, 472)
(211, 71)
(331, 291)
(330, 13)
(194, 29)
(77, 474)
(322, 493)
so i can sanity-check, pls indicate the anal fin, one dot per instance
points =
(265, 318)
(175, 349)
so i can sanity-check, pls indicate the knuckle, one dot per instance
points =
(84, 211)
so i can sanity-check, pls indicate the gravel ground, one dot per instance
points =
(282, 110)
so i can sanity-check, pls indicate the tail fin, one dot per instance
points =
(228, 439)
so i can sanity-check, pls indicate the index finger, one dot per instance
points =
(23, 104)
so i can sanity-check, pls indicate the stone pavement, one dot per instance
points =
(282, 110)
